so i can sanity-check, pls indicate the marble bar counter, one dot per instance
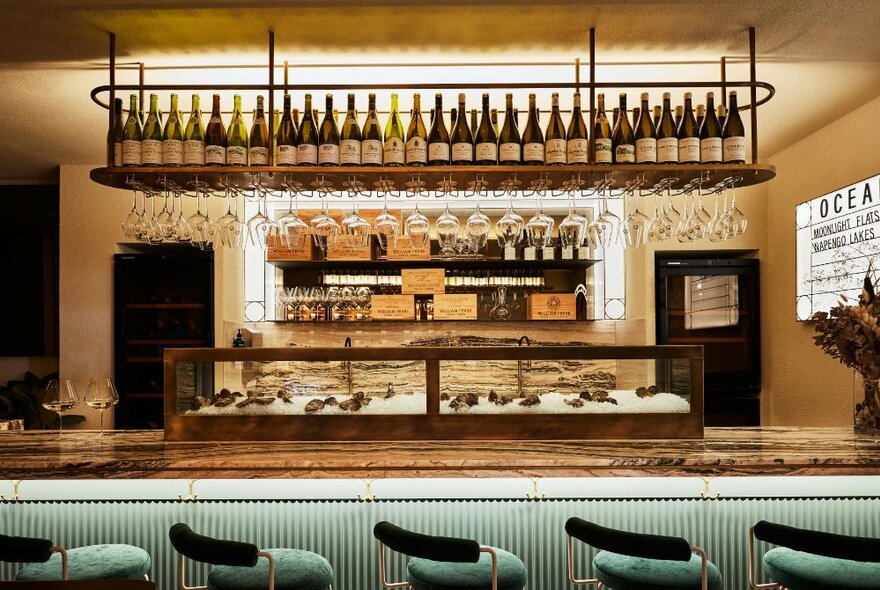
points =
(723, 452)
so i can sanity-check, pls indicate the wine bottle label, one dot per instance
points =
(533, 152)
(371, 151)
(604, 151)
(689, 150)
(710, 149)
(287, 155)
(349, 152)
(554, 151)
(259, 156)
(416, 151)
(438, 152)
(734, 149)
(667, 150)
(131, 153)
(487, 152)
(215, 154)
(328, 153)
(194, 152)
(578, 151)
(509, 252)
(172, 152)
(151, 151)
(236, 155)
(511, 152)
(394, 151)
(567, 252)
(646, 150)
(117, 153)
(462, 152)
(306, 153)
(548, 253)
(529, 253)
(625, 153)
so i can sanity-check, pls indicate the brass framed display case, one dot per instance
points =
(434, 393)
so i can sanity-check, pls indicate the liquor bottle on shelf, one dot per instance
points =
(350, 137)
(438, 139)
(577, 145)
(646, 142)
(117, 132)
(194, 136)
(493, 116)
(533, 138)
(132, 135)
(604, 154)
(276, 123)
(486, 140)
(172, 138)
(667, 135)
(394, 150)
(722, 116)
(258, 149)
(286, 138)
(215, 136)
(416, 136)
(371, 144)
(509, 141)
(658, 111)
(462, 139)
(474, 123)
(679, 113)
(554, 139)
(710, 134)
(307, 148)
(688, 135)
(734, 134)
(151, 145)
(328, 137)
(237, 137)
(701, 116)
(624, 142)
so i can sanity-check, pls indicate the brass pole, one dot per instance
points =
(271, 114)
(592, 154)
(754, 95)
(141, 86)
(724, 81)
(112, 109)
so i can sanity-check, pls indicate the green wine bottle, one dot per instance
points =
(258, 146)
(117, 132)
(554, 139)
(307, 148)
(509, 140)
(679, 114)
(577, 144)
(646, 142)
(328, 136)
(602, 137)
(394, 146)
(688, 134)
(416, 136)
(215, 137)
(172, 138)
(667, 135)
(371, 144)
(710, 134)
(194, 136)
(734, 134)
(624, 141)
(286, 139)
(152, 143)
(132, 135)
(462, 139)
(438, 139)
(237, 137)
(350, 137)
(533, 138)
(486, 140)
(493, 115)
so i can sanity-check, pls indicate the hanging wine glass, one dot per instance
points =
(671, 216)
(700, 219)
(356, 229)
(447, 227)
(182, 231)
(236, 230)
(477, 229)
(196, 221)
(539, 228)
(417, 227)
(609, 223)
(294, 231)
(715, 229)
(571, 228)
(657, 225)
(387, 226)
(509, 228)
(131, 222)
(735, 221)
(325, 229)
(635, 229)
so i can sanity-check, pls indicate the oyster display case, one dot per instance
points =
(434, 393)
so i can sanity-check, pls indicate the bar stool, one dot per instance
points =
(92, 562)
(448, 563)
(807, 559)
(634, 561)
(237, 567)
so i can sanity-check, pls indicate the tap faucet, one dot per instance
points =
(519, 367)
(346, 364)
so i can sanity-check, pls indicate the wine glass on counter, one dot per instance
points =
(60, 397)
(101, 395)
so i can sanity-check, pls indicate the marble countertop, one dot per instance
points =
(723, 451)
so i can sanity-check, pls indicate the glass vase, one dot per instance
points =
(866, 394)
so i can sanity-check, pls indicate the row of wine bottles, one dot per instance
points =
(655, 137)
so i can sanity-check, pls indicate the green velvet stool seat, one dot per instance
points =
(93, 562)
(295, 569)
(798, 570)
(625, 572)
(425, 574)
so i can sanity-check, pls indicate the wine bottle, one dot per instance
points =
(328, 137)
(151, 146)
(438, 138)
(516, 116)
(533, 138)
(602, 134)
(486, 141)
(493, 115)
(624, 141)
(215, 136)
(194, 136)
(394, 148)
(734, 134)
(710, 134)
(286, 139)
(237, 137)
(722, 116)
(276, 123)
(474, 122)
(509, 141)
(577, 146)
(371, 144)
(679, 113)
(307, 148)
(258, 150)
(117, 132)
(416, 136)
(132, 135)
(656, 115)
(554, 139)
(462, 139)
(172, 138)
(350, 137)
(688, 135)
(667, 135)
(701, 116)
(646, 143)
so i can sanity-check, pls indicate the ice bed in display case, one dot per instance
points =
(434, 393)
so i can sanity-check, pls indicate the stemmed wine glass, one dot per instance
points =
(324, 227)
(609, 222)
(356, 229)
(294, 231)
(716, 229)
(225, 220)
(197, 222)
(387, 225)
(635, 229)
(101, 395)
(477, 228)
(362, 298)
(59, 398)
(539, 228)
(447, 226)
(133, 220)
(571, 228)
(508, 229)
(735, 221)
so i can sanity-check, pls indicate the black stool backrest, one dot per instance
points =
(427, 546)
(24, 549)
(624, 543)
(209, 550)
(819, 543)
